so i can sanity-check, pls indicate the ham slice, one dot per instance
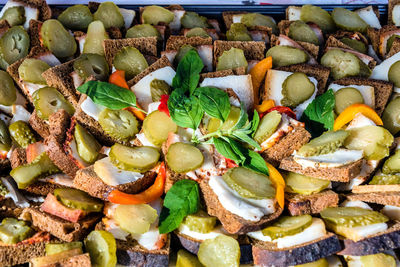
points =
(52, 206)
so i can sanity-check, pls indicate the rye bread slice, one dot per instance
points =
(172, 177)
(87, 180)
(378, 195)
(82, 260)
(64, 230)
(4, 26)
(41, 5)
(223, 73)
(175, 42)
(227, 17)
(267, 254)
(40, 126)
(394, 49)
(377, 243)
(34, 32)
(382, 89)
(192, 245)
(233, 223)
(292, 141)
(18, 157)
(253, 50)
(41, 188)
(298, 204)
(159, 64)
(130, 253)
(391, 5)
(337, 174)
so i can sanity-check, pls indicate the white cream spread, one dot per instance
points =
(112, 175)
(356, 203)
(314, 231)
(248, 209)
(392, 212)
(91, 109)
(338, 158)
(366, 91)
(30, 12)
(184, 229)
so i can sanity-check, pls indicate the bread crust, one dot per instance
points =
(298, 204)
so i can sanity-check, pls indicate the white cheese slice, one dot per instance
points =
(30, 12)
(396, 15)
(184, 229)
(249, 209)
(275, 79)
(381, 71)
(293, 13)
(153, 107)
(392, 212)
(314, 231)
(128, 15)
(112, 175)
(240, 84)
(142, 88)
(366, 91)
(91, 109)
(175, 25)
(368, 15)
(143, 139)
(356, 203)
(338, 158)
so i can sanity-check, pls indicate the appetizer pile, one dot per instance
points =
(160, 136)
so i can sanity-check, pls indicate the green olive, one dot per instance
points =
(22, 133)
(155, 14)
(130, 60)
(87, 65)
(57, 39)
(15, 15)
(109, 14)
(143, 30)
(14, 45)
(192, 20)
(8, 92)
(5, 138)
(238, 32)
(77, 17)
(48, 100)
(31, 70)
(95, 36)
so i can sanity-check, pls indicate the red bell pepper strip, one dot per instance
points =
(163, 107)
(282, 109)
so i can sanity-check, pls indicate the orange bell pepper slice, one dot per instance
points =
(350, 112)
(265, 105)
(257, 75)
(150, 194)
(279, 183)
(118, 78)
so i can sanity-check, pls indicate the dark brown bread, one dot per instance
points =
(339, 174)
(159, 64)
(39, 125)
(18, 157)
(172, 177)
(88, 181)
(34, 32)
(227, 16)
(82, 260)
(42, 188)
(233, 223)
(394, 49)
(175, 42)
(298, 204)
(375, 35)
(223, 73)
(382, 90)
(267, 254)
(41, 5)
(58, 125)
(64, 230)
(252, 50)
(380, 242)
(383, 198)
(294, 140)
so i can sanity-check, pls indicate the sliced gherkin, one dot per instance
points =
(215, 124)
(287, 226)
(286, 55)
(238, 32)
(77, 199)
(342, 64)
(5, 138)
(186, 259)
(22, 133)
(300, 31)
(347, 96)
(13, 231)
(296, 89)
(143, 30)
(110, 15)
(197, 32)
(157, 126)
(183, 157)
(48, 100)
(77, 17)
(392, 164)
(55, 248)
(394, 73)
(391, 116)
(319, 16)
(385, 179)
(200, 222)
(14, 45)
(355, 44)
(137, 159)
(31, 70)
(119, 124)
(390, 41)
(159, 88)
(130, 60)
(57, 39)
(102, 248)
(328, 142)
(92, 65)
(305, 185)
(15, 15)
(380, 259)
(192, 20)
(155, 14)
(8, 92)
(348, 20)
(95, 36)
(232, 59)
(257, 19)
(351, 216)
(87, 146)
(268, 125)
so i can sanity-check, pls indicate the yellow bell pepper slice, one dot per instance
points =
(265, 105)
(350, 112)
(279, 183)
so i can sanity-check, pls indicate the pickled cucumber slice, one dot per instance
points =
(220, 251)
(156, 127)
(183, 157)
(391, 116)
(13, 231)
(342, 64)
(87, 146)
(186, 259)
(268, 125)
(136, 159)
(373, 140)
(257, 19)
(77, 199)
(238, 32)
(182, 52)
(22, 133)
(197, 32)
(392, 164)
(119, 124)
(8, 92)
(57, 39)
(296, 89)
(102, 248)
(232, 59)
(287, 226)
(155, 14)
(379, 259)
(92, 65)
(48, 100)
(215, 124)
(328, 142)
(192, 20)
(15, 15)
(249, 184)
(319, 16)
(385, 179)
(31, 70)
(77, 17)
(390, 41)
(319, 263)
(159, 88)
(283, 55)
(130, 60)
(200, 222)
(14, 45)
(355, 44)
(300, 31)
(55, 248)
(352, 216)
(394, 73)
(95, 36)
(345, 97)
(348, 20)
(304, 185)
(143, 30)
(365, 71)
(109, 14)
(5, 138)
(135, 219)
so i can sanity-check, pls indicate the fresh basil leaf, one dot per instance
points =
(243, 137)
(188, 72)
(184, 194)
(319, 114)
(170, 220)
(243, 117)
(254, 123)
(185, 111)
(108, 95)
(255, 162)
(214, 102)
(225, 149)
